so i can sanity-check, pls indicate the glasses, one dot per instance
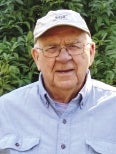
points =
(72, 49)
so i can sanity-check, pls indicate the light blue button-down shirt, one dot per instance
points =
(31, 124)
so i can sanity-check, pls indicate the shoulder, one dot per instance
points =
(103, 91)
(103, 86)
(20, 93)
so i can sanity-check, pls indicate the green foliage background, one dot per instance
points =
(17, 20)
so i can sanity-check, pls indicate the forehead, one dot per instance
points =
(62, 34)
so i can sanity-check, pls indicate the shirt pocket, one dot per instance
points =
(101, 147)
(21, 144)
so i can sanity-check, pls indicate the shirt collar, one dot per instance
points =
(86, 90)
(42, 91)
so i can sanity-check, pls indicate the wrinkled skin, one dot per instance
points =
(64, 75)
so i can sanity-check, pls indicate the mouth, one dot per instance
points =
(65, 71)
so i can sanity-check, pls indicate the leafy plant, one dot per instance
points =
(17, 21)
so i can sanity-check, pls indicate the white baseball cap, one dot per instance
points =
(59, 18)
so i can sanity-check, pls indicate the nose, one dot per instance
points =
(63, 56)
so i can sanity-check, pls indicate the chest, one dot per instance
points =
(83, 131)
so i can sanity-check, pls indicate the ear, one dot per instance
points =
(92, 52)
(35, 55)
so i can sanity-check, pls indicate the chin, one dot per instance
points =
(67, 85)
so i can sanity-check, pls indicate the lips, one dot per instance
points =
(65, 71)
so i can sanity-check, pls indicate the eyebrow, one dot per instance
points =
(66, 43)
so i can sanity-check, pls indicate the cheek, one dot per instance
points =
(86, 59)
(46, 65)
(80, 60)
(82, 63)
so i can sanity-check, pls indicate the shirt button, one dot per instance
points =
(63, 146)
(17, 144)
(64, 121)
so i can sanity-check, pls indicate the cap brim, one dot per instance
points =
(60, 24)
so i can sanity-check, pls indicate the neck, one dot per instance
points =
(63, 96)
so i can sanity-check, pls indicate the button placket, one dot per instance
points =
(17, 144)
(63, 146)
(63, 135)
(64, 121)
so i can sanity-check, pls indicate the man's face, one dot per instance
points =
(64, 72)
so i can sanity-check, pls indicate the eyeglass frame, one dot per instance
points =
(64, 47)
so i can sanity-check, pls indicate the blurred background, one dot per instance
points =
(17, 21)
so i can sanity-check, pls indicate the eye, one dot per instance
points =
(51, 49)
(78, 45)
(73, 47)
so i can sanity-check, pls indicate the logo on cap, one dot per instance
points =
(60, 17)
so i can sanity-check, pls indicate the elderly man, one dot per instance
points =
(65, 112)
